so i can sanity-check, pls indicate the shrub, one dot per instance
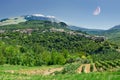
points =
(70, 68)
(91, 67)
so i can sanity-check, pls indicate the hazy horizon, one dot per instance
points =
(92, 14)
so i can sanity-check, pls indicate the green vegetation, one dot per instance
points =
(113, 35)
(83, 69)
(70, 68)
(38, 43)
(10, 72)
(9, 21)
(91, 67)
(107, 65)
(106, 55)
(93, 76)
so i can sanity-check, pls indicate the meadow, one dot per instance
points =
(11, 72)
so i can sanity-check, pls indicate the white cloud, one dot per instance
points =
(97, 11)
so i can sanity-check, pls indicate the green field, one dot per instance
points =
(10, 72)
(83, 76)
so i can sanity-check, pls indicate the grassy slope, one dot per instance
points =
(15, 20)
(90, 76)
(112, 35)
(18, 67)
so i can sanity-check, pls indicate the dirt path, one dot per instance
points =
(87, 68)
(35, 71)
(95, 69)
(79, 69)
(38, 71)
(47, 72)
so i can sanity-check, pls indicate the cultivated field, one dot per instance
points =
(10, 72)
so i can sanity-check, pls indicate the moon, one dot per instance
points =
(97, 11)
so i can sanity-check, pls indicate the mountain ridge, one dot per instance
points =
(24, 18)
(111, 34)
(115, 27)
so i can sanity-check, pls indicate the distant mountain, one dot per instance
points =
(16, 20)
(76, 28)
(89, 31)
(41, 17)
(24, 18)
(115, 27)
(13, 20)
(112, 34)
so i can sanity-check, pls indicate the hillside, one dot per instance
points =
(112, 34)
(14, 20)
(37, 42)
(24, 18)
(86, 30)
(115, 27)
(50, 30)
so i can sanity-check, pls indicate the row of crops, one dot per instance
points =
(78, 68)
(99, 66)
(107, 65)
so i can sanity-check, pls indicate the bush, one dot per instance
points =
(2, 60)
(91, 67)
(70, 68)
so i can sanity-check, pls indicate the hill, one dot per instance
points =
(47, 28)
(112, 34)
(115, 27)
(24, 18)
(14, 20)
(89, 31)
(45, 42)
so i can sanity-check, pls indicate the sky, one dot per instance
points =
(75, 12)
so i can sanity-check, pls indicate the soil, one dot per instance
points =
(87, 68)
(38, 72)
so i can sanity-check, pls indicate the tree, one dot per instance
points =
(2, 59)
